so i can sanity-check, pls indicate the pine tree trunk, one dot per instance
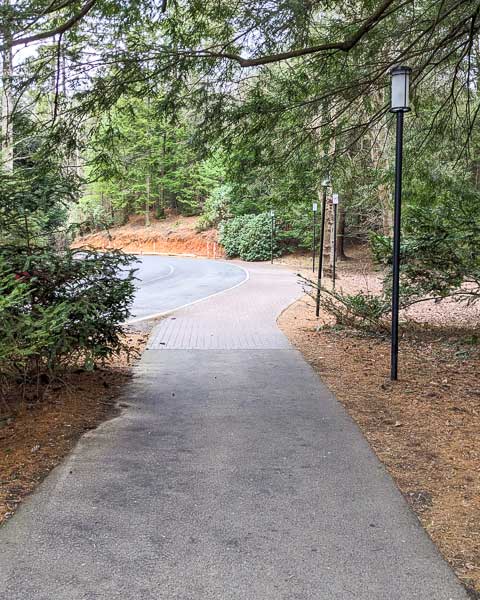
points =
(385, 197)
(379, 158)
(149, 166)
(7, 99)
(341, 233)
(160, 201)
(147, 200)
(327, 246)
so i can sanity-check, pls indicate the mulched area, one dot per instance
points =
(36, 435)
(424, 427)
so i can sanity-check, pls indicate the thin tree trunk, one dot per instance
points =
(147, 198)
(341, 233)
(160, 208)
(380, 163)
(149, 166)
(385, 197)
(126, 207)
(7, 99)
(328, 246)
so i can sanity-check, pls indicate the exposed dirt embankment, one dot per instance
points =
(173, 235)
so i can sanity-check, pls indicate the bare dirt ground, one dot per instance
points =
(172, 235)
(424, 427)
(36, 435)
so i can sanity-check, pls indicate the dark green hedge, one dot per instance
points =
(248, 236)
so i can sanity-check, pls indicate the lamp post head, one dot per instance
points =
(326, 181)
(400, 77)
(272, 213)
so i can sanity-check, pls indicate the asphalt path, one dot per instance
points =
(231, 474)
(165, 283)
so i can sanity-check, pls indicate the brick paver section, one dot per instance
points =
(241, 318)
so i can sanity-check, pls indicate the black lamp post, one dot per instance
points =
(325, 185)
(399, 105)
(314, 244)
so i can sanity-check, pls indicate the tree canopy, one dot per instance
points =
(226, 110)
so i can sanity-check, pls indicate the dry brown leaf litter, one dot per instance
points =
(37, 437)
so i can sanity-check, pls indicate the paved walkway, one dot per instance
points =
(233, 476)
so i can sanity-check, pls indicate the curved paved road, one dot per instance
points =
(234, 475)
(166, 282)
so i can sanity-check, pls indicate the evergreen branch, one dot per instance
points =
(343, 46)
(56, 31)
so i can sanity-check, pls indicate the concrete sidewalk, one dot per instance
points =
(234, 475)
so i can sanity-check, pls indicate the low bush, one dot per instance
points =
(58, 307)
(362, 311)
(230, 233)
(248, 236)
(61, 308)
(216, 208)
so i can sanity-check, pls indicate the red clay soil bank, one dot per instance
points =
(172, 236)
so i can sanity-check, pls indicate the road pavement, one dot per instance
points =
(167, 282)
(234, 474)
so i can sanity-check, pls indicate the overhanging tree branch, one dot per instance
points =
(342, 46)
(57, 30)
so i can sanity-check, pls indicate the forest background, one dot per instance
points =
(226, 111)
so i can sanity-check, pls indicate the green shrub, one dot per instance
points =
(60, 309)
(255, 241)
(249, 237)
(216, 208)
(362, 311)
(440, 240)
(230, 233)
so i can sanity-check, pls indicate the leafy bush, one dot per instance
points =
(216, 208)
(61, 308)
(230, 232)
(255, 241)
(248, 236)
(439, 252)
(363, 310)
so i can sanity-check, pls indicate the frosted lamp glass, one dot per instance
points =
(400, 89)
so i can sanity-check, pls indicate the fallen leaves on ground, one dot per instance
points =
(424, 427)
(37, 436)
